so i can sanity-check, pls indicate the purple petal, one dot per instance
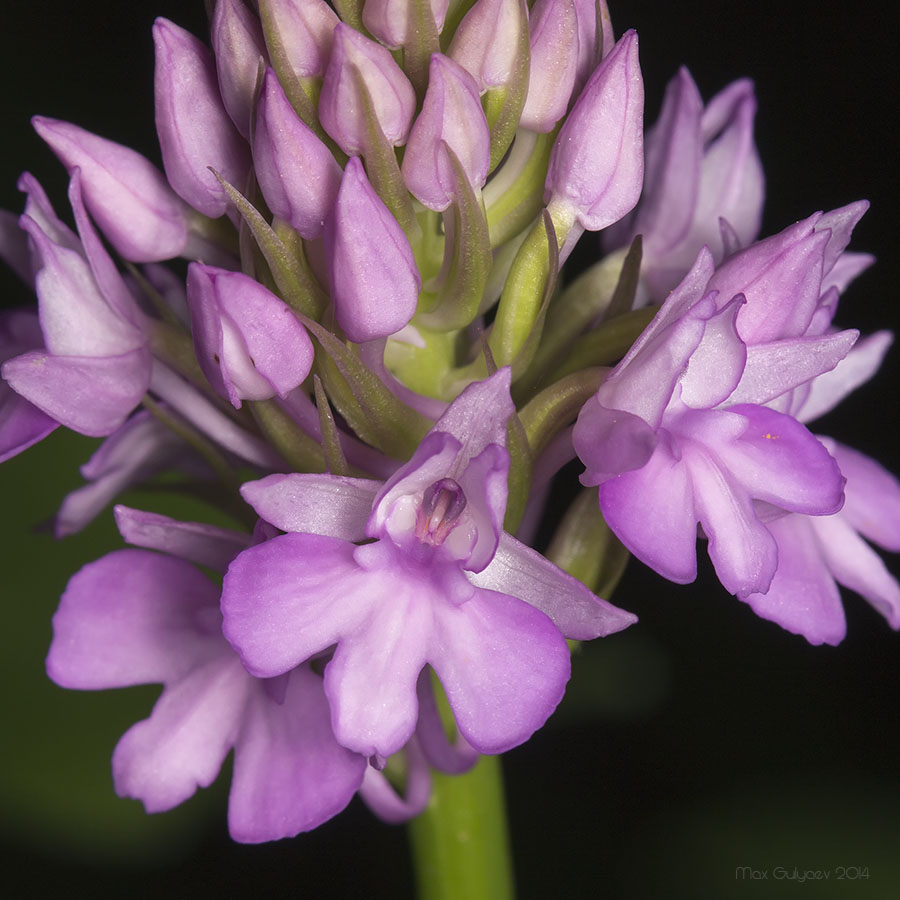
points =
(671, 170)
(742, 550)
(803, 597)
(485, 42)
(40, 210)
(21, 424)
(393, 22)
(371, 681)
(91, 395)
(775, 458)
(331, 505)
(290, 774)
(164, 759)
(289, 598)
(776, 368)
(855, 369)
(133, 617)
(111, 284)
(76, 317)
(717, 364)
(788, 265)
(651, 511)
(644, 382)
(732, 184)
(503, 665)
(610, 442)
(857, 566)
(137, 450)
(872, 504)
(521, 572)
(192, 541)
(128, 196)
(840, 222)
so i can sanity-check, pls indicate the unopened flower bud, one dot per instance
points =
(195, 132)
(357, 61)
(374, 280)
(238, 46)
(143, 218)
(296, 172)
(249, 343)
(596, 167)
(486, 41)
(303, 31)
(392, 22)
(554, 59)
(451, 114)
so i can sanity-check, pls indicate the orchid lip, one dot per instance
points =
(442, 505)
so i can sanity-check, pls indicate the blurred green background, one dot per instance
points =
(698, 743)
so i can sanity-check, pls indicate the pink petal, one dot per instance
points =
(331, 505)
(131, 618)
(289, 598)
(521, 572)
(164, 759)
(651, 511)
(803, 597)
(503, 665)
(193, 541)
(776, 459)
(857, 566)
(91, 395)
(872, 504)
(290, 774)
(742, 550)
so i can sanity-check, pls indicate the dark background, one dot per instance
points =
(703, 740)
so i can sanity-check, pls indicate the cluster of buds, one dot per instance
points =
(377, 361)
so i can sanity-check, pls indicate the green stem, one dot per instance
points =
(460, 844)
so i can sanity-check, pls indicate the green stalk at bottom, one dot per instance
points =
(460, 844)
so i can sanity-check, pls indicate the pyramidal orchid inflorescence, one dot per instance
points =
(340, 309)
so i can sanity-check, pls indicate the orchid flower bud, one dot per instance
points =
(143, 218)
(357, 61)
(393, 23)
(195, 132)
(452, 114)
(593, 47)
(703, 183)
(237, 43)
(554, 60)
(374, 280)
(597, 163)
(249, 343)
(296, 172)
(303, 31)
(485, 43)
